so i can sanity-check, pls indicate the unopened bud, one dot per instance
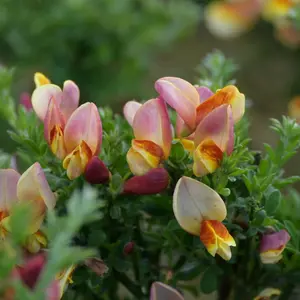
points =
(153, 182)
(25, 101)
(128, 248)
(96, 172)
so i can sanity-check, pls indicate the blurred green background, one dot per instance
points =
(115, 49)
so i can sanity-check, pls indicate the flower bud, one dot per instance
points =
(96, 172)
(31, 270)
(153, 182)
(25, 101)
(128, 248)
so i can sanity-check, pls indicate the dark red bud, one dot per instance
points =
(128, 248)
(96, 172)
(153, 182)
(31, 270)
(25, 100)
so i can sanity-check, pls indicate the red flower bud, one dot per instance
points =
(96, 172)
(31, 270)
(128, 248)
(153, 182)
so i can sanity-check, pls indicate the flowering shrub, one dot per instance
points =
(169, 194)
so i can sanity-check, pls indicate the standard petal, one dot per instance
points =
(152, 123)
(84, 125)
(204, 93)
(217, 126)
(40, 79)
(194, 202)
(228, 95)
(25, 101)
(33, 186)
(130, 109)
(182, 129)
(70, 98)
(8, 185)
(161, 291)
(41, 97)
(180, 95)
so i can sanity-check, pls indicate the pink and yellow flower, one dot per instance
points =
(229, 19)
(67, 99)
(193, 104)
(153, 135)
(31, 186)
(272, 246)
(73, 133)
(199, 210)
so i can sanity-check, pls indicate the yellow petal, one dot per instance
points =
(207, 158)
(40, 79)
(216, 238)
(75, 163)
(194, 202)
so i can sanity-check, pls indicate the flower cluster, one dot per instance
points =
(205, 127)
(229, 19)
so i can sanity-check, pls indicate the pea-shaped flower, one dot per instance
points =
(153, 137)
(199, 210)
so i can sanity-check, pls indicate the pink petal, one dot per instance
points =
(218, 126)
(204, 93)
(84, 125)
(152, 123)
(33, 186)
(181, 95)
(274, 241)
(161, 291)
(130, 109)
(70, 98)
(8, 188)
(53, 117)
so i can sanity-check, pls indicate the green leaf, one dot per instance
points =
(209, 280)
(273, 199)
(190, 271)
(115, 212)
(294, 233)
(116, 183)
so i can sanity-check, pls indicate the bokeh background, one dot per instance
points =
(115, 50)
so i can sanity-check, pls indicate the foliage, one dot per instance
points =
(105, 46)
(102, 218)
